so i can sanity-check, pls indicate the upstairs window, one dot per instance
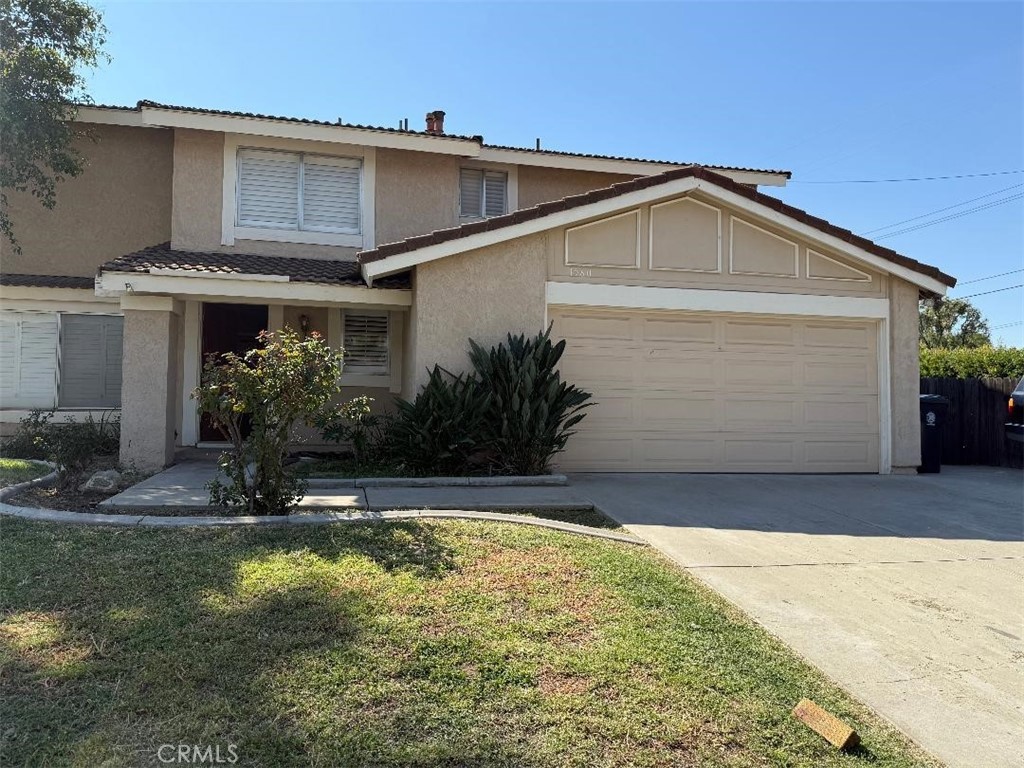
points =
(294, 191)
(482, 194)
(366, 343)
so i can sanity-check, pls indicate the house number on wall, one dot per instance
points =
(580, 272)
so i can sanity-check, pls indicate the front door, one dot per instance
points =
(228, 328)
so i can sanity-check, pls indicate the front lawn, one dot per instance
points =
(14, 471)
(417, 643)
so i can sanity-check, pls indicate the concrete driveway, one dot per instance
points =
(906, 590)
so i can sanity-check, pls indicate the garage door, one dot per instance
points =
(721, 393)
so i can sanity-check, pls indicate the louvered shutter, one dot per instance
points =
(366, 342)
(268, 189)
(471, 193)
(28, 359)
(330, 195)
(495, 185)
(90, 361)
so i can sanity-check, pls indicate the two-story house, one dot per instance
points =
(719, 329)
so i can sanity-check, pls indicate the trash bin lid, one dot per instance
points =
(934, 399)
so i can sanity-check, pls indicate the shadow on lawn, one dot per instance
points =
(198, 650)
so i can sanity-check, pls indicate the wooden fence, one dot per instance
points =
(974, 431)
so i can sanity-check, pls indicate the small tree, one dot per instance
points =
(952, 323)
(255, 400)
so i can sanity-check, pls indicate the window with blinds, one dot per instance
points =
(289, 190)
(366, 342)
(28, 359)
(482, 194)
(90, 361)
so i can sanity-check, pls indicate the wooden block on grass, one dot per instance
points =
(834, 730)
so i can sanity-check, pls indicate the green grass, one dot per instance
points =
(419, 643)
(14, 471)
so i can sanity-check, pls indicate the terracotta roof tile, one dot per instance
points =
(297, 270)
(48, 281)
(644, 182)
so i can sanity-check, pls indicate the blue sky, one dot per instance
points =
(830, 91)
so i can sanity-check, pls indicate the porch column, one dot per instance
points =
(149, 380)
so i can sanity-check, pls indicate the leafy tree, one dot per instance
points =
(951, 323)
(255, 400)
(44, 47)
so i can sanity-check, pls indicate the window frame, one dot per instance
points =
(338, 161)
(360, 370)
(511, 189)
(60, 362)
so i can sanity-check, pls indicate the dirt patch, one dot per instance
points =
(71, 500)
(552, 683)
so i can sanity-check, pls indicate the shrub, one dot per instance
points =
(71, 445)
(255, 400)
(979, 362)
(532, 411)
(439, 432)
(366, 432)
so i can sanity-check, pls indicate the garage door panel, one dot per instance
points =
(716, 393)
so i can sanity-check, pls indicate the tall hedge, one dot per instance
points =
(979, 362)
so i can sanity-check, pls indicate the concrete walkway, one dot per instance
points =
(184, 485)
(906, 590)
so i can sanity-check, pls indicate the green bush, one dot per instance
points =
(255, 400)
(532, 411)
(72, 445)
(440, 431)
(979, 362)
(367, 433)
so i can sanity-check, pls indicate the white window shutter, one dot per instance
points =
(471, 192)
(330, 195)
(90, 361)
(28, 359)
(495, 186)
(366, 342)
(268, 189)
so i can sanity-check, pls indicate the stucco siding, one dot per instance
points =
(483, 295)
(120, 203)
(540, 185)
(198, 171)
(149, 394)
(905, 367)
(417, 193)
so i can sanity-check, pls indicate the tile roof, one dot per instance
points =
(297, 270)
(47, 281)
(643, 182)
(478, 139)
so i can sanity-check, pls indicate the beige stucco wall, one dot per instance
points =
(149, 393)
(417, 193)
(540, 185)
(120, 203)
(483, 295)
(198, 189)
(905, 367)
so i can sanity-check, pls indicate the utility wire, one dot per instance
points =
(918, 178)
(989, 277)
(1006, 325)
(969, 211)
(986, 293)
(940, 210)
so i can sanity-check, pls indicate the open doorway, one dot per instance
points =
(228, 328)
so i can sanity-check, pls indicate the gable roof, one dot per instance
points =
(47, 281)
(580, 204)
(327, 271)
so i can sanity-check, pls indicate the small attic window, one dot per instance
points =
(482, 194)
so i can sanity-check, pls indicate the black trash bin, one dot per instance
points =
(933, 418)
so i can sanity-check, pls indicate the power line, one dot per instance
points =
(986, 293)
(989, 277)
(918, 178)
(1006, 325)
(968, 212)
(940, 210)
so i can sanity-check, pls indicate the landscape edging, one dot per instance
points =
(493, 481)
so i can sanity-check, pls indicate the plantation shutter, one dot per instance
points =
(28, 359)
(90, 361)
(495, 185)
(366, 342)
(268, 189)
(471, 192)
(330, 195)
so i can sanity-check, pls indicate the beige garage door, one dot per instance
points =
(721, 393)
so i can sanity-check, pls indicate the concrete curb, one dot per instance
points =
(496, 481)
(327, 518)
